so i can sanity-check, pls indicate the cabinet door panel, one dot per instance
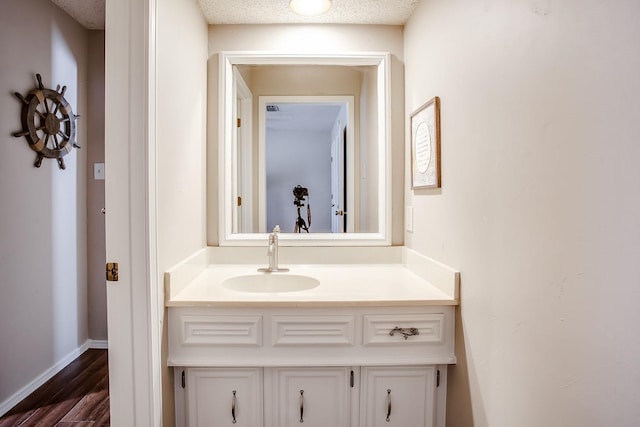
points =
(224, 397)
(317, 397)
(398, 397)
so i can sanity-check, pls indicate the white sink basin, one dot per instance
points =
(270, 282)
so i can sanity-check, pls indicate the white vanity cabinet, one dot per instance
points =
(327, 366)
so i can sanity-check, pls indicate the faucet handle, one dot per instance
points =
(276, 229)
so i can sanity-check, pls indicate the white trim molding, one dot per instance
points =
(133, 301)
(99, 344)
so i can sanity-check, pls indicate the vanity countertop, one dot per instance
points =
(340, 285)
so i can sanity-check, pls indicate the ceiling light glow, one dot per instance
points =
(310, 7)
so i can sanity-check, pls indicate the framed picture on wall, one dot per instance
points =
(425, 145)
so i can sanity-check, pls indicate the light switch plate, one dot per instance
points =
(98, 171)
(409, 219)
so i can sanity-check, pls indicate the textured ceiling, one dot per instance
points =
(90, 13)
(388, 12)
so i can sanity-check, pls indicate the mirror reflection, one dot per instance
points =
(306, 151)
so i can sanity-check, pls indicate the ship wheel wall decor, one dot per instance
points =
(48, 123)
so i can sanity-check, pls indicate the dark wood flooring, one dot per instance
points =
(76, 396)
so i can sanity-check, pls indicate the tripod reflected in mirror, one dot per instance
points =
(299, 194)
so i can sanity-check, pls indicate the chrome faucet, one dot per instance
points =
(272, 252)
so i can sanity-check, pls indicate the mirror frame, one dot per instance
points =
(226, 156)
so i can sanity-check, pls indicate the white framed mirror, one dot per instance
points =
(246, 192)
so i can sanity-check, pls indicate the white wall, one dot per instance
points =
(96, 259)
(43, 274)
(308, 38)
(288, 166)
(367, 214)
(181, 118)
(181, 144)
(539, 206)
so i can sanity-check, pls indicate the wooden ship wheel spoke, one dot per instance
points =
(48, 123)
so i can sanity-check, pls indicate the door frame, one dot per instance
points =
(133, 302)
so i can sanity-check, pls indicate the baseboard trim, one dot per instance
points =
(100, 344)
(48, 374)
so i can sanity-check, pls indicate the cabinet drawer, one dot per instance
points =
(378, 329)
(216, 337)
(220, 330)
(310, 330)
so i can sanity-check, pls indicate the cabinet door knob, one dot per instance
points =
(233, 408)
(301, 406)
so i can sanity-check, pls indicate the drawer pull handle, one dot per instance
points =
(388, 404)
(301, 405)
(233, 408)
(406, 332)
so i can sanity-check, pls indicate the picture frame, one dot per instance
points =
(425, 145)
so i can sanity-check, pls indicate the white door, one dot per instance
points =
(243, 216)
(316, 397)
(224, 397)
(239, 161)
(338, 184)
(398, 396)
